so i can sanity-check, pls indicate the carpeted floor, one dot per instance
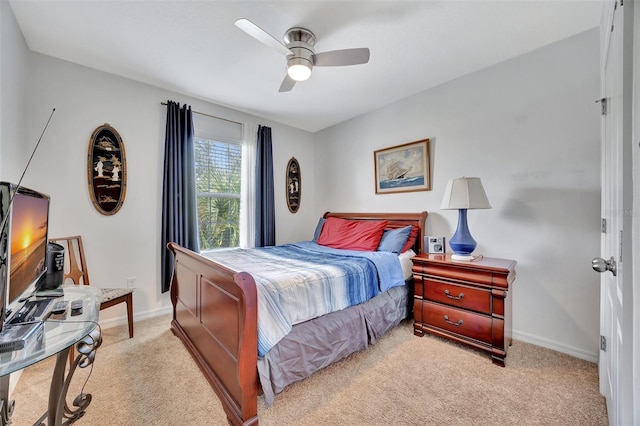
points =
(402, 380)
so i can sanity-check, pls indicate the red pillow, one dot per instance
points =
(411, 240)
(362, 235)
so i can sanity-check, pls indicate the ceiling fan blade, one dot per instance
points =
(261, 35)
(287, 84)
(337, 58)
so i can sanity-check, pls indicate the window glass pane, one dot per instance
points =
(218, 221)
(217, 166)
(218, 178)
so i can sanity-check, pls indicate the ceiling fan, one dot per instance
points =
(301, 56)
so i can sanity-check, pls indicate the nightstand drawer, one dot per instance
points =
(467, 324)
(460, 296)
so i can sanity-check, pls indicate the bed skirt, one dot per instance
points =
(317, 343)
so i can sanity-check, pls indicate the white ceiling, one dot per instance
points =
(193, 47)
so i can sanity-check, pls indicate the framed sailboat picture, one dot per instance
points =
(403, 168)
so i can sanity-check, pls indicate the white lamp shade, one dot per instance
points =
(465, 193)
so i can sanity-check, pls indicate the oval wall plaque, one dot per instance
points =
(294, 185)
(107, 170)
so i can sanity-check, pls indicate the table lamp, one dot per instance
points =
(464, 193)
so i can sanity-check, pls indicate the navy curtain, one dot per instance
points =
(179, 214)
(265, 204)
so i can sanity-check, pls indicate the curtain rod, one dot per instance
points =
(209, 115)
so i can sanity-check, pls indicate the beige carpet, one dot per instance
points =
(402, 380)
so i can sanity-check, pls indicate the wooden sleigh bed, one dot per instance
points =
(215, 313)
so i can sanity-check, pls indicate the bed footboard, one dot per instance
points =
(215, 316)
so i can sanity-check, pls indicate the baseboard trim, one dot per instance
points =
(137, 316)
(558, 347)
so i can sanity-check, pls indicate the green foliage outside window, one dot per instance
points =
(218, 182)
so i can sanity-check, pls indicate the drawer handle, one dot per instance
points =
(460, 322)
(460, 296)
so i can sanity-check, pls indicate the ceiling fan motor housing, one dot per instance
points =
(300, 42)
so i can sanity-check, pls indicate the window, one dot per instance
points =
(218, 183)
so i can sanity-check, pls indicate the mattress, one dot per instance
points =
(301, 281)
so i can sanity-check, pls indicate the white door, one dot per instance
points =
(615, 364)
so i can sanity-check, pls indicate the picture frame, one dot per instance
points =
(403, 168)
(106, 170)
(293, 185)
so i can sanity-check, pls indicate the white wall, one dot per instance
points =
(126, 244)
(529, 127)
(13, 69)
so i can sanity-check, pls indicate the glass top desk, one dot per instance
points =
(59, 334)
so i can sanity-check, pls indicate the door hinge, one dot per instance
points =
(603, 227)
(603, 106)
(603, 343)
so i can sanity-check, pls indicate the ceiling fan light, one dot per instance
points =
(299, 72)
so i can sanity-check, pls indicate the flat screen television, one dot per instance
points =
(23, 244)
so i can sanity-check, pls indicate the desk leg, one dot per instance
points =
(6, 405)
(58, 407)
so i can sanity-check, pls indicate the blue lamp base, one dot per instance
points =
(462, 243)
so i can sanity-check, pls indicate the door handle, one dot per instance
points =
(600, 265)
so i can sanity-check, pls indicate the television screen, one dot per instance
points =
(27, 240)
(23, 244)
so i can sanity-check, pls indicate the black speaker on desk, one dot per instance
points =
(55, 267)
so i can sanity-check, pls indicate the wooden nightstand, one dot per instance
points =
(468, 302)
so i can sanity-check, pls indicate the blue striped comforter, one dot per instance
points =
(301, 281)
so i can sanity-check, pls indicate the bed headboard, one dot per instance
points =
(394, 220)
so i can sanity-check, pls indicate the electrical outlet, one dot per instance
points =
(131, 282)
